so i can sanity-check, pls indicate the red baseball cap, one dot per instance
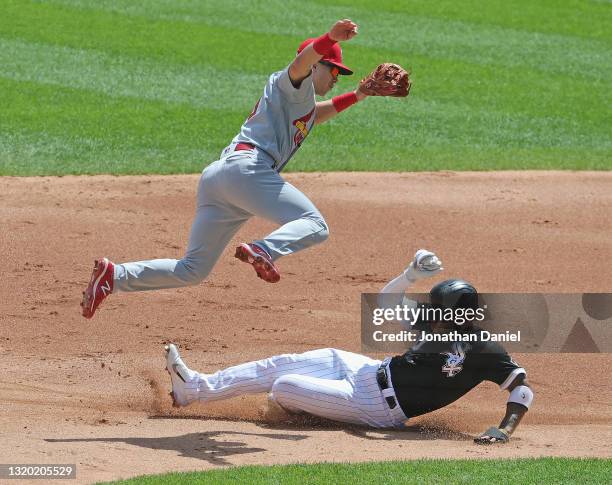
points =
(333, 57)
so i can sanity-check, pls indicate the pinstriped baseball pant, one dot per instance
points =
(329, 383)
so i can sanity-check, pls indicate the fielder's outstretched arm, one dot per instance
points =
(301, 67)
(325, 110)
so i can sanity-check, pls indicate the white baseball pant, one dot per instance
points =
(329, 383)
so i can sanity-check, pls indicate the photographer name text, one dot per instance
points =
(480, 336)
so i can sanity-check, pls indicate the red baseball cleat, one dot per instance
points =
(99, 287)
(259, 259)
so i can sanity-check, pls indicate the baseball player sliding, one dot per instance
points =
(353, 388)
(246, 180)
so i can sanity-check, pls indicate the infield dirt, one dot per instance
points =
(94, 392)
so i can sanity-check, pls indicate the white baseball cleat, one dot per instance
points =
(180, 375)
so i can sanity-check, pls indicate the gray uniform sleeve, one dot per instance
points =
(290, 92)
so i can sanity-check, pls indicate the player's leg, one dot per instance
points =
(212, 228)
(302, 224)
(341, 400)
(357, 398)
(266, 194)
(215, 223)
(326, 398)
(255, 377)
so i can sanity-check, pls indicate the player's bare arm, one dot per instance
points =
(521, 397)
(325, 110)
(301, 67)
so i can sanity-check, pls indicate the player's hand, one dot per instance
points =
(491, 436)
(424, 265)
(343, 30)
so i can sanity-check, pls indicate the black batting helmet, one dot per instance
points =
(454, 294)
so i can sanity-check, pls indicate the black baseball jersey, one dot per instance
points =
(432, 375)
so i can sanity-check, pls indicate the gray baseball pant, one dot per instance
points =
(231, 190)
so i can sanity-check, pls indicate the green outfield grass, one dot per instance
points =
(110, 86)
(531, 471)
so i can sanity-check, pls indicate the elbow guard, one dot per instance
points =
(521, 395)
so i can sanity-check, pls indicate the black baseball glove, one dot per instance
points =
(492, 435)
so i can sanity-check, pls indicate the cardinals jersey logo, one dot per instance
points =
(454, 360)
(302, 128)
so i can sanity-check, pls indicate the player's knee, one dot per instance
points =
(194, 280)
(323, 230)
(281, 389)
(192, 273)
(324, 234)
(283, 393)
(280, 383)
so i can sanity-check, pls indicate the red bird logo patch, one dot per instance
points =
(302, 128)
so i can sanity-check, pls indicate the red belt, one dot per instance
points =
(244, 146)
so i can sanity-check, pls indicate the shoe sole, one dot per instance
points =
(264, 269)
(87, 304)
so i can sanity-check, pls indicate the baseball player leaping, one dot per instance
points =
(246, 180)
(353, 388)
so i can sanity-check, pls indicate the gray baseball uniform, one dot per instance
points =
(281, 120)
(241, 184)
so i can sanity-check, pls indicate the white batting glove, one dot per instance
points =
(424, 265)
